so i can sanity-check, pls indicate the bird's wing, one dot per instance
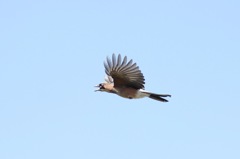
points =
(124, 73)
(108, 79)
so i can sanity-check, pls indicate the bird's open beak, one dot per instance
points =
(97, 89)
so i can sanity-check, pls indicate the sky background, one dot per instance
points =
(51, 56)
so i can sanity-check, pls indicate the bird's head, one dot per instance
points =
(101, 87)
(106, 87)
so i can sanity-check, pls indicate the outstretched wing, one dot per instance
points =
(108, 79)
(124, 73)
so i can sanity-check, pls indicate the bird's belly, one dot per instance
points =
(131, 93)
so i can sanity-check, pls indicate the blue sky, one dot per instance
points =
(52, 55)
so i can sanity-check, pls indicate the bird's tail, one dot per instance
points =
(155, 96)
(159, 97)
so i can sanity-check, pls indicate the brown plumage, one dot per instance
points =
(126, 80)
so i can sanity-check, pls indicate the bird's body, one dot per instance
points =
(128, 92)
(126, 80)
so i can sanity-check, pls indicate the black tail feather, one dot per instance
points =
(159, 97)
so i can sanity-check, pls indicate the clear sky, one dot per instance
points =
(51, 56)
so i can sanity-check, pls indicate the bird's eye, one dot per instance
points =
(101, 86)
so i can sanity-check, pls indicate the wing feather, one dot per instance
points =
(113, 61)
(124, 73)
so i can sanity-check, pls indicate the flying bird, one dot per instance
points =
(126, 80)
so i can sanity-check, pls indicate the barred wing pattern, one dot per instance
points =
(124, 73)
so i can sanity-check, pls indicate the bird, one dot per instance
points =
(125, 79)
